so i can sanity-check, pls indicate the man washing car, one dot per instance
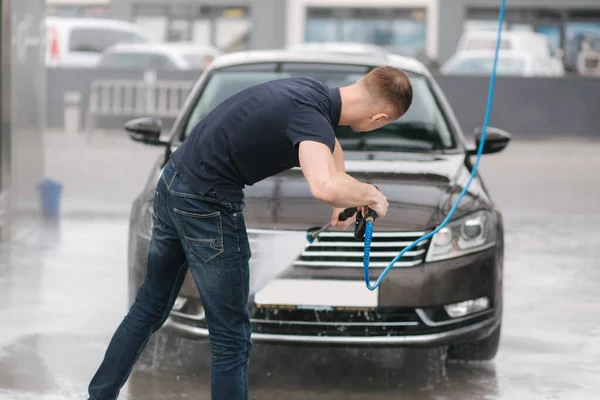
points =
(198, 208)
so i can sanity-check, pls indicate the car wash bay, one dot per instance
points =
(63, 289)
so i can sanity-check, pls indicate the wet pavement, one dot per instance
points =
(63, 292)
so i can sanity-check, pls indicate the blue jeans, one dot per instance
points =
(209, 237)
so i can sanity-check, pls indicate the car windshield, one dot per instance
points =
(484, 66)
(97, 40)
(422, 129)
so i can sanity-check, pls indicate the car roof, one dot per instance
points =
(165, 48)
(367, 59)
(95, 22)
(476, 34)
(492, 53)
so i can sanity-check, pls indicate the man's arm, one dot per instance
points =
(310, 131)
(338, 156)
(330, 185)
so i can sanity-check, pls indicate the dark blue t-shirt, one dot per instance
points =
(254, 134)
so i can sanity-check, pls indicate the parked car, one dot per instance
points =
(178, 56)
(519, 42)
(79, 42)
(510, 63)
(446, 292)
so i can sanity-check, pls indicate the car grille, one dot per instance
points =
(336, 322)
(340, 249)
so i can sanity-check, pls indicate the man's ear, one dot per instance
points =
(379, 117)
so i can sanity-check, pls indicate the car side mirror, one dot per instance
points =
(496, 140)
(146, 130)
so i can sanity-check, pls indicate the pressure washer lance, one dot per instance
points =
(344, 215)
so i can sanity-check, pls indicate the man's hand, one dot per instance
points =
(341, 225)
(380, 206)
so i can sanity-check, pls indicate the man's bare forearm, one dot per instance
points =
(338, 156)
(342, 191)
(330, 185)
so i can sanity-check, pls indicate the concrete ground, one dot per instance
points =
(63, 292)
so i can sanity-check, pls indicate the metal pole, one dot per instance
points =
(5, 117)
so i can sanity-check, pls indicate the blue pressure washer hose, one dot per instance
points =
(368, 234)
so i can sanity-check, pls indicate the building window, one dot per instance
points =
(227, 28)
(232, 29)
(398, 30)
(553, 33)
(580, 37)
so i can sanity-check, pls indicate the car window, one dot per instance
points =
(422, 128)
(135, 60)
(96, 40)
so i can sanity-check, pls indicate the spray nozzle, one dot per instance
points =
(342, 216)
(361, 223)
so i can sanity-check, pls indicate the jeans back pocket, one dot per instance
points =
(203, 233)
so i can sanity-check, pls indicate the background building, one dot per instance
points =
(427, 28)
(78, 8)
(421, 27)
(567, 23)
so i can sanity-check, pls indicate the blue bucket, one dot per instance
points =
(50, 192)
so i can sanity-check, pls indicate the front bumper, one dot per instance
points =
(465, 333)
(410, 295)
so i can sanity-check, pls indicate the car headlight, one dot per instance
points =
(469, 234)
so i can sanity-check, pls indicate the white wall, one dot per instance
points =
(296, 16)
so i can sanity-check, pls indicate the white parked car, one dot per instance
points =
(513, 41)
(150, 56)
(80, 42)
(510, 63)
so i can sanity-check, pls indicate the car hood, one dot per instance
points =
(421, 189)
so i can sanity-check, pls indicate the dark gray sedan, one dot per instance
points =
(446, 292)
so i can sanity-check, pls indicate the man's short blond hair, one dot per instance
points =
(390, 86)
